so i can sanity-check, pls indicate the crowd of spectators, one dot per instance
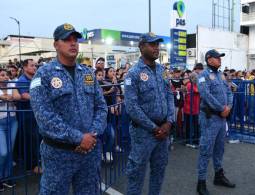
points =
(18, 121)
(186, 101)
(111, 80)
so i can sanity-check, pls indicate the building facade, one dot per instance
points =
(115, 46)
(247, 22)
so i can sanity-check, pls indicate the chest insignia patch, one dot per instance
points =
(88, 79)
(144, 76)
(56, 82)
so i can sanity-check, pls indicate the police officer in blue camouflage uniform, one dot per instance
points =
(149, 103)
(216, 103)
(71, 113)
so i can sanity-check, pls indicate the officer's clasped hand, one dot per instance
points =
(163, 131)
(88, 143)
(225, 112)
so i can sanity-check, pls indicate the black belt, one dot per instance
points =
(158, 123)
(59, 145)
(209, 112)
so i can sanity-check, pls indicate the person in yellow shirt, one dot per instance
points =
(250, 90)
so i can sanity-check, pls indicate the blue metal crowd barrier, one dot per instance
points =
(22, 155)
(116, 145)
(242, 118)
(241, 122)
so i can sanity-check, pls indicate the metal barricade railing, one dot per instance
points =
(23, 141)
(116, 145)
(241, 122)
(242, 119)
(185, 129)
(116, 140)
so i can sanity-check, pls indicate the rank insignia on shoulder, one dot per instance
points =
(128, 81)
(144, 76)
(88, 79)
(35, 83)
(202, 79)
(56, 82)
(212, 76)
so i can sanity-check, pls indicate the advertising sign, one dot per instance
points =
(178, 17)
(178, 50)
(110, 60)
(178, 33)
(89, 34)
(128, 36)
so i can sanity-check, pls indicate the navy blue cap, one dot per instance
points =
(64, 31)
(149, 38)
(213, 54)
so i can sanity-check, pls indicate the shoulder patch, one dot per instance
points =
(35, 83)
(202, 79)
(212, 76)
(128, 81)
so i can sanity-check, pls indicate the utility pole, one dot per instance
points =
(232, 15)
(149, 15)
(18, 22)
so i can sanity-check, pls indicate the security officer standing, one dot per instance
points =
(215, 106)
(71, 113)
(149, 103)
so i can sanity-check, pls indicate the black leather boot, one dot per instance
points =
(221, 180)
(201, 188)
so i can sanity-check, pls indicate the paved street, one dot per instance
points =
(181, 173)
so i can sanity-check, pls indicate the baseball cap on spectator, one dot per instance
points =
(149, 38)
(199, 66)
(213, 54)
(100, 59)
(63, 31)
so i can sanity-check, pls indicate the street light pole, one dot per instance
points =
(17, 21)
(149, 15)
(92, 54)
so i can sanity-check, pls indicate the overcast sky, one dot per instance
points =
(40, 18)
